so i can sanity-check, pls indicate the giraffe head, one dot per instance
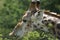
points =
(23, 27)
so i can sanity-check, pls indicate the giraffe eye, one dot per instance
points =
(24, 20)
(39, 12)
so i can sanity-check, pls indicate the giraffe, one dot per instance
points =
(31, 20)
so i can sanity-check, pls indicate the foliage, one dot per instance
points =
(39, 35)
(11, 13)
(52, 5)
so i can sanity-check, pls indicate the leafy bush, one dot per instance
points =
(39, 35)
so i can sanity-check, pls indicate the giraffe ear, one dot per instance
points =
(32, 5)
(38, 4)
